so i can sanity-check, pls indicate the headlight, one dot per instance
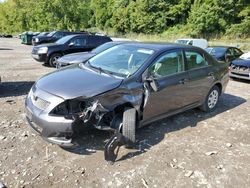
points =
(68, 108)
(42, 50)
(36, 39)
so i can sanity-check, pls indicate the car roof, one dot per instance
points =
(160, 46)
(221, 47)
(87, 34)
(191, 39)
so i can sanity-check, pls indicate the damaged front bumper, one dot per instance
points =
(58, 120)
(56, 132)
(60, 128)
(54, 129)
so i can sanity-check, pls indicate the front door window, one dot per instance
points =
(168, 64)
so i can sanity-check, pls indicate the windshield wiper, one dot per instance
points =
(101, 70)
(105, 71)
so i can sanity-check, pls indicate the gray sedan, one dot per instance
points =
(124, 88)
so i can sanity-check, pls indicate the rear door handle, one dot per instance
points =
(183, 81)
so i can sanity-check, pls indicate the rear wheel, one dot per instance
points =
(53, 59)
(211, 100)
(129, 125)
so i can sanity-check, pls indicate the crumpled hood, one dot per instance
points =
(76, 57)
(73, 82)
(241, 62)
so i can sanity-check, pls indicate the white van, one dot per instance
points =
(202, 43)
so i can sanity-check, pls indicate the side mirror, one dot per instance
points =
(153, 83)
(71, 44)
(150, 79)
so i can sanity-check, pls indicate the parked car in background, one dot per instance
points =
(52, 37)
(202, 43)
(224, 53)
(43, 34)
(240, 68)
(123, 88)
(5, 36)
(49, 53)
(83, 56)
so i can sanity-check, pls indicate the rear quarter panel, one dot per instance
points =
(221, 70)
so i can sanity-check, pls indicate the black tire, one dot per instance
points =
(210, 105)
(129, 125)
(53, 58)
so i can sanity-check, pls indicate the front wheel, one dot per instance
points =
(53, 59)
(129, 125)
(211, 100)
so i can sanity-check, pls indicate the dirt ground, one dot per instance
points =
(192, 149)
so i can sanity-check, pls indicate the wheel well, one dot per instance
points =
(219, 86)
(55, 53)
(120, 108)
(48, 58)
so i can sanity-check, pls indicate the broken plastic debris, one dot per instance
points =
(229, 145)
(211, 153)
(189, 173)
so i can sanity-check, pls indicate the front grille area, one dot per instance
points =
(39, 103)
(240, 70)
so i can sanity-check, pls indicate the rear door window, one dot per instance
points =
(195, 60)
(93, 41)
(97, 40)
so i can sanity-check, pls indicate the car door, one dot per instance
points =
(94, 41)
(168, 71)
(77, 44)
(201, 75)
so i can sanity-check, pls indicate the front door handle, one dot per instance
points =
(211, 74)
(183, 81)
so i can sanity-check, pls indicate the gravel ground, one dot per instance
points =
(192, 149)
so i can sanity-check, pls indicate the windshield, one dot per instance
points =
(104, 47)
(121, 60)
(216, 50)
(51, 34)
(43, 34)
(64, 39)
